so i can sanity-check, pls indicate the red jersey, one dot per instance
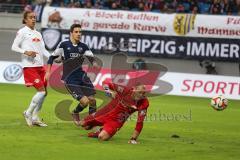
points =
(119, 109)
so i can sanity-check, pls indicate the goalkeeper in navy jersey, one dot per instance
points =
(73, 53)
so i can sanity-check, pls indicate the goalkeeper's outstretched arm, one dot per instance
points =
(142, 112)
(139, 126)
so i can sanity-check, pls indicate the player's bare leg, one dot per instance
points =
(92, 105)
(103, 136)
(83, 103)
(35, 118)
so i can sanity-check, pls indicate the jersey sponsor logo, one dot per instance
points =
(12, 73)
(75, 55)
(51, 38)
(36, 39)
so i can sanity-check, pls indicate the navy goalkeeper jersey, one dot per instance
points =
(73, 57)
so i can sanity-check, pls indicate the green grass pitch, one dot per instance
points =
(204, 133)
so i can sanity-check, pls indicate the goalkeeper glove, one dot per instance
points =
(133, 141)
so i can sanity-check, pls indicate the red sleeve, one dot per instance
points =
(108, 84)
(115, 87)
(142, 112)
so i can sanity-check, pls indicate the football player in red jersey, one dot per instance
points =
(125, 101)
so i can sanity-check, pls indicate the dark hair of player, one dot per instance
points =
(74, 26)
(25, 14)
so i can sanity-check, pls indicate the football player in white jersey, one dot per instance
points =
(29, 43)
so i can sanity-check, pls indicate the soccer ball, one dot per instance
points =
(219, 103)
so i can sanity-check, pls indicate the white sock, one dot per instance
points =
(35, 101)
(37, 109)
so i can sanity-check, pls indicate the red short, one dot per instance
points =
(34, 76)
(110, 126)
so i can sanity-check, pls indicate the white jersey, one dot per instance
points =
(30, 40)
